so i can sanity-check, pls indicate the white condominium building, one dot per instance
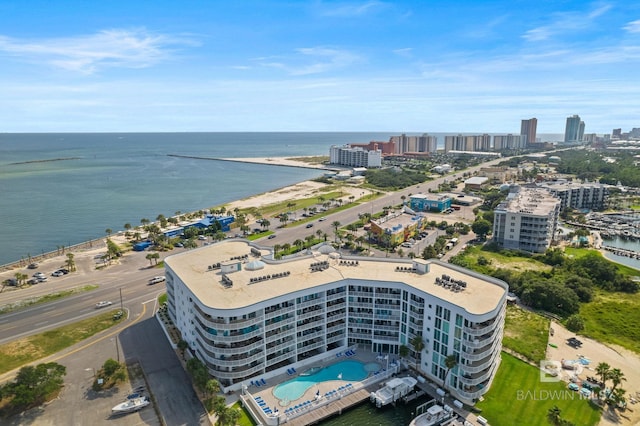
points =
(248, 316)
(354, 157)
(591, 196)
(526, 220)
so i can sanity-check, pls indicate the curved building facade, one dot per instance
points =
(247, 316)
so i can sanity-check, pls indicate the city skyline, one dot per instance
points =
(399, 66)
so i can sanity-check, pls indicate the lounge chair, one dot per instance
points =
(263, 381)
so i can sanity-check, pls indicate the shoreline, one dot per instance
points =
(267, 161)
(301, 189)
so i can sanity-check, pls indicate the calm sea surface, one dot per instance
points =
(111, 179)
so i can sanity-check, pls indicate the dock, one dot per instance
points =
(336, 407)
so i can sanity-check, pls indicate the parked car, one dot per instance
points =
(322, 219)
(38, 275)
(33, 281)
(202, 237)
(272, 236)
(103, 303)
(57, 273)
(309, 225)
(32, 266)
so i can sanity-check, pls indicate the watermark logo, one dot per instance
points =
(550, 371)
(549, 395)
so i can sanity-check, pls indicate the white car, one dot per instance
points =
(103, 304)
(156, 280)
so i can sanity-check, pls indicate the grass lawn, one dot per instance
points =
(613, 318)
(245, 419)
(498, 260)
(32, 348)
(518, 395)
(44, 299)
(162, 299)
(526, 333)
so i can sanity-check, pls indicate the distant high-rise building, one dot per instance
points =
(574, 130)
(476, 143)
(616, 134)
(528, 131)
(407, 144)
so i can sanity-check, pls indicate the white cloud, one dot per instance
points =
(353, 9)
(566, 22)
(323, 60)
(405, 52)
(89, 53)
(633, 26)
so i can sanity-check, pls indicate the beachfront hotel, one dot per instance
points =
(250, 317)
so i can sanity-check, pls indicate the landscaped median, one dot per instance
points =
(32, 348)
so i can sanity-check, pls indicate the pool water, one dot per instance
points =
(348, 371)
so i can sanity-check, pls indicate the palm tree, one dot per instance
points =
(264, 223)
(212, 387)
(108, 231)
(309, 239)
(450, 362)
(284, 218)
(299, 243)
(553, 415)
(617, 396)
(603, 370)
(335, 226)
(71, 264)
(286, 247)
(617, 377)
(418, 346)
(149, 257)
(276, 248)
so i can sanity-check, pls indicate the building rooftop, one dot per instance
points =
(531, 201)
(245, 287)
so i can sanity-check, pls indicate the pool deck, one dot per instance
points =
(342, 394)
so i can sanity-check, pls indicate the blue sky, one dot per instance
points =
(409, 66)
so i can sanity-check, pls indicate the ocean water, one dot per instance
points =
(102, 181)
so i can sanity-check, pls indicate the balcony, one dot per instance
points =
(280, 346)
(311, 314)
(361, 305)
(277, 312)
(315, 302)
(482, 353)
(336, 306)
(220, 324)
(279, 324)
(477, 378)
(220, 338)
(486, 327)
(237, 373)
(478, 366)
(307, 326)
(334, 296)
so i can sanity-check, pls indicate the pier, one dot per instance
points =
(622, 252)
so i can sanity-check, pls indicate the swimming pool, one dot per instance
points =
(350, 371)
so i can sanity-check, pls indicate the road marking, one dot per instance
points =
(149, 301)
(42, 323)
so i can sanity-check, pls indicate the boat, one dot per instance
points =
(393, 390)
(131, 405)
(435, 415)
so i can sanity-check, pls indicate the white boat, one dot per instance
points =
(393, 390)
(131, 405)
(433, 416)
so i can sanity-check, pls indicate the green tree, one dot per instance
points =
(575, 323)
(481, 228)
(553, 415)
(418, 346)
(33, 385)
(450, 362)
(335, 225)
(603, 370)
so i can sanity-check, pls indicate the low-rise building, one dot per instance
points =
(397, 227)
(429, 202)
(247, 316)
